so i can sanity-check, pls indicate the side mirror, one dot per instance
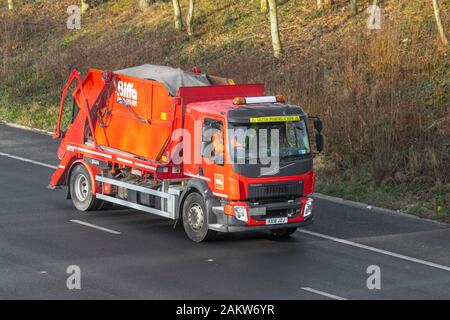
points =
(319, 142)
(318, 124)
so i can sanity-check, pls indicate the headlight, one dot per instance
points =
(308, 207)
(241, 213)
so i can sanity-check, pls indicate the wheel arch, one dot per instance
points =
(92, 170)
(201, 187)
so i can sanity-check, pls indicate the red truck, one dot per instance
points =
(198, 149)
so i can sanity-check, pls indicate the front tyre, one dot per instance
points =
(282, 233)
(195, 218)
(81, 190)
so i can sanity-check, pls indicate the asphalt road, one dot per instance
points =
(140, 256)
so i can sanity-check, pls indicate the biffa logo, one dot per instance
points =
(126, 93)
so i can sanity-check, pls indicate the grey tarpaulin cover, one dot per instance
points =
(171, 78)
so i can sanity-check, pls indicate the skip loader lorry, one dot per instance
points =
(209, 154)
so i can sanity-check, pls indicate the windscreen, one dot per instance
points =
(250, 143)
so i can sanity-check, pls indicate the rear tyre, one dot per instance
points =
(81, 190)
(195, 219)
(282, 233)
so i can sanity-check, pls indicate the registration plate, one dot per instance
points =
(277, 220)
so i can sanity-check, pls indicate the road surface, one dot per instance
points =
(125, 254)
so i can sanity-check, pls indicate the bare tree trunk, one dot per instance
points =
(264, 6)
(354, 6)
(84, 6)
(190, 16)
(374, 7)
(10, 4)
(324, 3)
(276, 42)
(319, 4)
(177, 14)
(437, 15)
(374, 10)
(143, 4)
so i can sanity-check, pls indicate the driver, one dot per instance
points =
(217, 141)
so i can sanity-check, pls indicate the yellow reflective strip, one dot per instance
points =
(275, 119)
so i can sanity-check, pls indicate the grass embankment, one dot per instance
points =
(383, 94)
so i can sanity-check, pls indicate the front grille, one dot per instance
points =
(275, 214)
(272, 214)
(275, 190)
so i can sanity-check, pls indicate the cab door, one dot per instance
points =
(213, 155)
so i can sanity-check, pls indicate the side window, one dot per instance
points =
(213, 141)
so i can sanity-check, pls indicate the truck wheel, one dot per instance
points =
(282, 233)
(81, 190)
(195, 218)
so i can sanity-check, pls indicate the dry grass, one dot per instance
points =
(383, 95)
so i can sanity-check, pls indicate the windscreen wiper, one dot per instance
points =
(293, 156)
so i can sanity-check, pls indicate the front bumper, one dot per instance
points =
(243, 228)
(229, 223)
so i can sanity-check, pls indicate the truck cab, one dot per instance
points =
(254, 159)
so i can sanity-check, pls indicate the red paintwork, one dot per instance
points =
(229, 92)
(76, 132)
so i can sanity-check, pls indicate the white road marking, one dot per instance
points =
(325, 294)
(381, 251)
(27, 160)
(95, 227)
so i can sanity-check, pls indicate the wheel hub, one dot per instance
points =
(81, 187)
(196, 217)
